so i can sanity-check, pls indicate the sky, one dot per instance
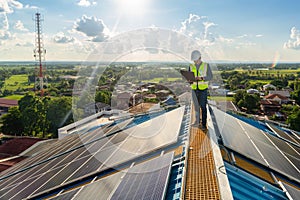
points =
(164, 30)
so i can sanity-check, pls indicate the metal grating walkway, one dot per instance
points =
(201, 181)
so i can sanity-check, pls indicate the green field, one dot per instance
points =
(17, 81)
(157, 80)
(14, 97)
(220, 98)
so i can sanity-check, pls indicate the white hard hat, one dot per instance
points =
(195, 55)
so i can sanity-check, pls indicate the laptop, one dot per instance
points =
(188, 75)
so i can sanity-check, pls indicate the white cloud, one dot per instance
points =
(20, 26)
(242, 36)
(61, 38)
(26, 44)
(225, 40)
(5, 35)
(3, 22)
(199, 28)
(294, 41)
(30, 7)
(86, 3)
(7, 6)
(92, 27)
(258, 35)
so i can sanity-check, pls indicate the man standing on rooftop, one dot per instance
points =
(203, 74)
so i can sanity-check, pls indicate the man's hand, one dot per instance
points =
(199, 78)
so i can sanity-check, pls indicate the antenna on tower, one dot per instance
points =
(39, 55)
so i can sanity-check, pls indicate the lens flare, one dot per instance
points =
(275, 60)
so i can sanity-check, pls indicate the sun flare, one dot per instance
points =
(132, 7)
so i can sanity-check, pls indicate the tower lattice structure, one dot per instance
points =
(39, 55)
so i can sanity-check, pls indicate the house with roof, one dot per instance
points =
(5, 104)
(269, 107)
(284, 93)
(274, 97)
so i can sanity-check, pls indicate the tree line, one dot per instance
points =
(37, 116)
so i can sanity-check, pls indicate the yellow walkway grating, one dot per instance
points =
(201, 182)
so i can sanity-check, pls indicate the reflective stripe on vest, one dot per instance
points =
(201, 85)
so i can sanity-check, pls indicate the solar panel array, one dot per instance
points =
(266, 149)
(147, 180)
(79, 156)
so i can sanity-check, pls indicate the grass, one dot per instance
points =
(14, 97)
(157, 80)
(17, 81)
(220, 98)
(264, 82)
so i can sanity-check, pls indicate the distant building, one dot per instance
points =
(269, 87)
(5, 104)
(277, 98)
(284, 93)
(252, 91)
(269, 107)
(95, 108)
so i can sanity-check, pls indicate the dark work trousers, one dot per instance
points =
(200, 101)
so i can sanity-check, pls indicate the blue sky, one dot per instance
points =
(226, 30)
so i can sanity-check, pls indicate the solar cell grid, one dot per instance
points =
(9, 194)
(101, 189)
(35, 184)
(61, 175)
(145, 181)
(90, 166)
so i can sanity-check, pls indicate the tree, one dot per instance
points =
(248, 101)
(33, 115)
(294, 120)
(59, 113)
(251, 102)
(12, 123)
(103, 96)
(239, 95)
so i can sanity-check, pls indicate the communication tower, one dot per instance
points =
(39, 55)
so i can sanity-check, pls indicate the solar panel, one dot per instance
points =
(284, 146)
(67, 195)
(147, 137)
(234, 138)
(281, 133)
(101, 189)
(146, 181)
(293, 192)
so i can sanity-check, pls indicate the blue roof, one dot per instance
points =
(247, 186)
